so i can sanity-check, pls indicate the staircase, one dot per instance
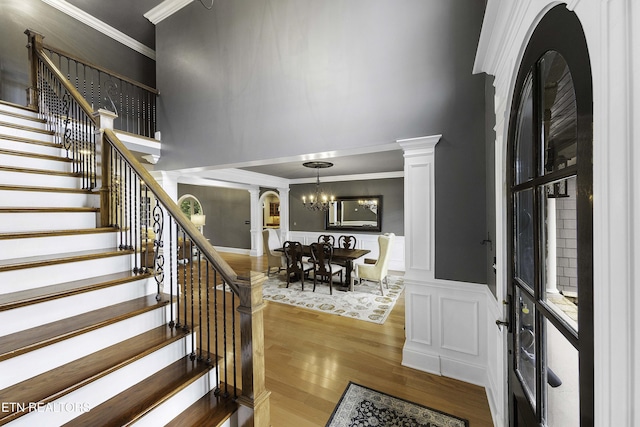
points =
(84, 341)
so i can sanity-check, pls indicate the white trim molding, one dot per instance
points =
(101, 26)
(165, 9)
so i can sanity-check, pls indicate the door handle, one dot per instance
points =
(502, 323)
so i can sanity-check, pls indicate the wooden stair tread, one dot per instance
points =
(15, 209)
(55, 233)
(47, 293)
(22, 116)
(51, 259)
(47, 189)
(39, 171)
(133, 403)
(35, 155)
(60, 381)
(40, 336)
(210, 410)
(29, 140)
(26, 128)
(14, 105)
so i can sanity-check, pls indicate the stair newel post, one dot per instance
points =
(104, 120)
(254, 401)
(34, 44)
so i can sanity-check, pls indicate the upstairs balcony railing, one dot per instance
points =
(133, 102)
(209, 298)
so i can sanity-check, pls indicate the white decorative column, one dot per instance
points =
(284, 213)
(419, 206)
(419, 228)
(256, 222)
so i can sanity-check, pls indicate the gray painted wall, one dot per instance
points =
(62, 32)
(254, 79)
(227, 212)
(391, 190)
(491, 182)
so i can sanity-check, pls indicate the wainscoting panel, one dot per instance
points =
(421, 325)
(459, 325)
(455, 316)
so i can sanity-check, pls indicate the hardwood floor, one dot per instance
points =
(311, 357)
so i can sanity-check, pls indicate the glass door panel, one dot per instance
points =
(526, 345)
(524, 169)
(523, 236)
(563, 385)
(560, 253)
(559, 116)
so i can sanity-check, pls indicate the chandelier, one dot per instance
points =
(318, 201)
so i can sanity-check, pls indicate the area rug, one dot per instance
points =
(362, 407)
(364, 303)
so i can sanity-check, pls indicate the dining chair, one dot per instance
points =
(347, 242)
(323, 268)
(327, 238)
(377, 272)
(296, 267)
(270, 241)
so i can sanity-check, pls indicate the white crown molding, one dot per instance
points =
(165, 9)
(102, 27)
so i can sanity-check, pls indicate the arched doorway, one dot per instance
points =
(550, 214)
(270, 202)
(192, 208)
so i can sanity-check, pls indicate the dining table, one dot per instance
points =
(341, 256)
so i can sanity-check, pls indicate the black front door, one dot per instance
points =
(550, 287)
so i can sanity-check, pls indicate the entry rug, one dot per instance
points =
(364, 303)
(361, 406)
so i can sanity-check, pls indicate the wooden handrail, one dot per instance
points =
(102, 69)
(207, 250)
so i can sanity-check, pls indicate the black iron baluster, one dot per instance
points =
(171, 302)
(215, 328)
(208, 285)
(233, 338)
(199, 304)
(224, 339)
(192, 307)
(158, 244)
(184, 284)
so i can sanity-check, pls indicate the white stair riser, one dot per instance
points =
(180, 401)
(24, 133)
(36, 179)
(31, 148)
(35, 163)
(16, 110)
(29, 278)
(48, 199)
(50, 311)
(22, 121)
(104, 388)
(38, 246)
(44, 359)
(46, 221)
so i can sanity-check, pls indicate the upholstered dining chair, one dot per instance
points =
(296, 267)
(327, 238)
(270, 242)
(377, 272)
(323, 268)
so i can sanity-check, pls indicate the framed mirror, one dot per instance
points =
(355, 214)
